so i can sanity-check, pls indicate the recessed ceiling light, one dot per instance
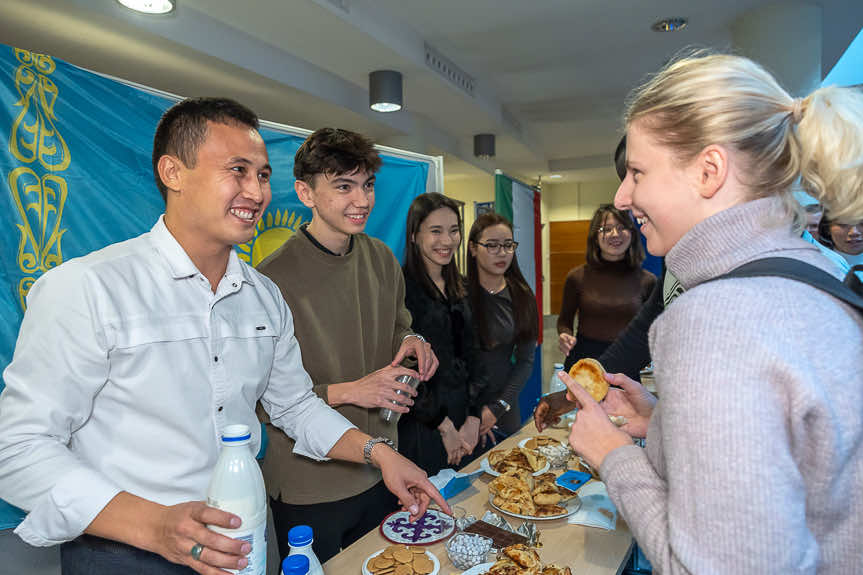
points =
(555, 177)
(149, 6)
(669, 25)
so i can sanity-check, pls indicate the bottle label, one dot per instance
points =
(257, 557)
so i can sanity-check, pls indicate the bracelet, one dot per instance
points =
(416, 335)
(370, 444)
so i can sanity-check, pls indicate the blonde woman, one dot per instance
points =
(754, 453)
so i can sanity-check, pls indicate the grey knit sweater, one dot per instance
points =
(754, 457)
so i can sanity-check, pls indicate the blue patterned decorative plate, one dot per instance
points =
(432, 527)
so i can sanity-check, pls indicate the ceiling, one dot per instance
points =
(550, 76)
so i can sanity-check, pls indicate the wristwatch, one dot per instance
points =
(416, 335)
(370, 444)
(499, 407)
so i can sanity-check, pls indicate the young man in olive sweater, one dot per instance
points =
(346, 292)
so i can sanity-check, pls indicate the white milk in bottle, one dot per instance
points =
(237, 486)
(300, 538)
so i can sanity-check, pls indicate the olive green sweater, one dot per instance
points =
(350, 318)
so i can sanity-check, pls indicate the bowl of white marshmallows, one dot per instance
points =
(466, 550)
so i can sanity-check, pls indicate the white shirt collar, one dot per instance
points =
(182, 265)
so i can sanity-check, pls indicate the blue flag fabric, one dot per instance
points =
(75, 151)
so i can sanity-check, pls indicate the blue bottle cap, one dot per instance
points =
(295, 565)
(300, 535)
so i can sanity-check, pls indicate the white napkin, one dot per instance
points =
(596, 510)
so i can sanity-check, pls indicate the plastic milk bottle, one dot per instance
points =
(295, 565)
(300, 539)
(237, 486)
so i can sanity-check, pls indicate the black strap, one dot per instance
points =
(850, 291)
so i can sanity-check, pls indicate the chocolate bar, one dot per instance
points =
(501, 537)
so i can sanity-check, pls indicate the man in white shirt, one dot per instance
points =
(131, 360)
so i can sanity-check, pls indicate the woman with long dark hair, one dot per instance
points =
(607, 291)
(443, 424)
(506, 320)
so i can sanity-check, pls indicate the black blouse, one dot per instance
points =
(507, 364)
(448, 327)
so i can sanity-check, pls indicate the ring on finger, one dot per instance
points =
(196, 551)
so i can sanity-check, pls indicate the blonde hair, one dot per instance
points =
(705, 99)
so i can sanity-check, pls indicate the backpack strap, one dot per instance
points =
(849, 292)
(852, 280)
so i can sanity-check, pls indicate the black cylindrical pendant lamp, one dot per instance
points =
(385, 91)
(483, 145)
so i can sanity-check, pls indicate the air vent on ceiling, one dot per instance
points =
(452, 73)
(343, 5)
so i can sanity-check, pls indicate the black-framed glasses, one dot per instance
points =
(495, 247)
(619, 229)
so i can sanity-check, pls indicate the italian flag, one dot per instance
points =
(520, 204)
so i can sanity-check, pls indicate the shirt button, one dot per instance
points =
(220, 408)
(234, 284)
(216, 359)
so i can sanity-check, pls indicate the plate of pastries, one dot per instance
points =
(518, 560)
(500, 461)
(520, 494)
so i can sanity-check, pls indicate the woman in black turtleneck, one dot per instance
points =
(607, 291)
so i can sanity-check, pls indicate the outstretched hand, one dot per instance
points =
(407, 482)
(550, 408)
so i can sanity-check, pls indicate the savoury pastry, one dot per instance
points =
(523, 555)
(548, 510)
(589, 374)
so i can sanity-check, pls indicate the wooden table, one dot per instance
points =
(587, 550)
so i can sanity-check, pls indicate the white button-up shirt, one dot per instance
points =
(126, 370)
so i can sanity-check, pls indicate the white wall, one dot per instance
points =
(470, 189)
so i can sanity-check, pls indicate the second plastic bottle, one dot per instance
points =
(300, 538)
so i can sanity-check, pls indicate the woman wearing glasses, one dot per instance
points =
(505, 316)
(607, 291)
(443, 424)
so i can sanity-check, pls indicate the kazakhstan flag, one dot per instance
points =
(75, 151)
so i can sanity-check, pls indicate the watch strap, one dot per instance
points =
(370, 444)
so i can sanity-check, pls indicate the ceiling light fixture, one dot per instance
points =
(483, 146)
(149, 6)
(555, 177)
(670, 25)
(385, 91)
